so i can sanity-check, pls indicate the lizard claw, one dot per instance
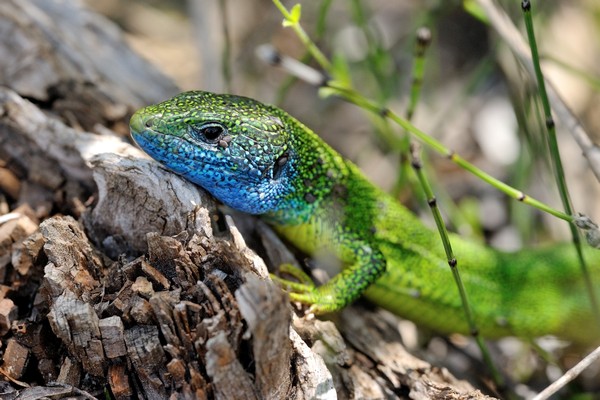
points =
(297, 274)
(321, 300)
(301, 290)
(302, 284)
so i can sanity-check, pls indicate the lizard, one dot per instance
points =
(258, 159)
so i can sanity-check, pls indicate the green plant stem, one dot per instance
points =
(367, 104)
(555, 155)
(319, 31)
(304, 38)
(226, 54)
(423, 40)
(453, 264)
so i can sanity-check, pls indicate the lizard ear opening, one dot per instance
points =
(279, 164)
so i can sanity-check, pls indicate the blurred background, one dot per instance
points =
(476, 99)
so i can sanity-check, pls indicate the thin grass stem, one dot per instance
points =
(559, 174)
(423, 39)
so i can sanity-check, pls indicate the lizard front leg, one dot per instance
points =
(366, 265)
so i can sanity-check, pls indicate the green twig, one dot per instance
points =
(319, 31)
(453, 263)
(555, 156)
(369, 105)
(423, 40)
(226, 55)
(292, 20)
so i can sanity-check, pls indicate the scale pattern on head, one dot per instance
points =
(247, 154)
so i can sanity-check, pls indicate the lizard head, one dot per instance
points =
(235, 147)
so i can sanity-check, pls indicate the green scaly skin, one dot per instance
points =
(258, 159)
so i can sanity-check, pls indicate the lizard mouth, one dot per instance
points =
(150, 140)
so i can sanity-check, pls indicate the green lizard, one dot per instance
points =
(260, 160)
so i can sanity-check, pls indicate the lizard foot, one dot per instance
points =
(321, 300)
(304, 283)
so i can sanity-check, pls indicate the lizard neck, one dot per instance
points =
(317, 176)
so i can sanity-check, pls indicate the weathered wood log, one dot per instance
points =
(139, 284)
(63, 54)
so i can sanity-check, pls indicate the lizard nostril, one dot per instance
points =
(140, 122)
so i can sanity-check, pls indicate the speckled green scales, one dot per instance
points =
(258, 159)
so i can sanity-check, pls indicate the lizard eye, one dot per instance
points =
(210, 132)
(279, 164)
